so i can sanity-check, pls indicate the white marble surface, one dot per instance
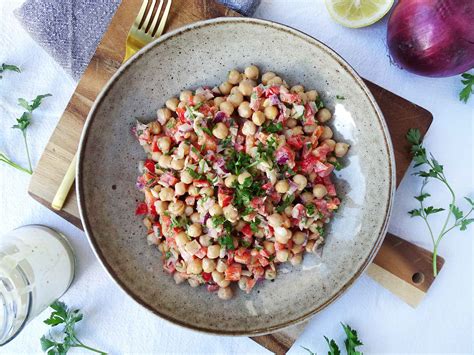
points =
(113, 322)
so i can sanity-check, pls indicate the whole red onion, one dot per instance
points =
(432, 37)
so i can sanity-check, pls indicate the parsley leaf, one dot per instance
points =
(9, 67)
(352, 341)
(286, 202)
(468, 83)
(271, 127)
(435, 171)
(62, 315)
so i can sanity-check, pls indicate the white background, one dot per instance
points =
(113, 322)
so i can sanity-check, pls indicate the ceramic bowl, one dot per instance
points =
(202, 54)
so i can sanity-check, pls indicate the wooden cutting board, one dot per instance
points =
(399, 266)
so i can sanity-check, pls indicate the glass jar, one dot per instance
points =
(36, 268)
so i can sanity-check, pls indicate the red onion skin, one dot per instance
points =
(432, 37)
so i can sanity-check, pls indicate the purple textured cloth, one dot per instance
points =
(70, 30)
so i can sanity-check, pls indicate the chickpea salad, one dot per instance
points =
(238, 180)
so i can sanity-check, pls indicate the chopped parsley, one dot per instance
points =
(238, 162)
(254, 225)
(226, 241)
(337, 164)
(319, 103)
(286, 202)
(218, 220)
(272, 127)
(310, 209)
(244, 193)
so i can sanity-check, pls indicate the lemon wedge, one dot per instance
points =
(358, 13)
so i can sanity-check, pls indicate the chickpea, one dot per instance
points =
(218, 100)
(208, 265)
(269, 247)
(271, 112)
(270, 274)
(243, 176)
(185, 96)
(213, 251)
(275, 220)
(306, 197)
(291, 123)
(195, 217)
(177, 164)
(161, 206)
(276, 80)
(282, 186)
(327, 133)
(206, 191)
(341, 149)
(180, 188)
(301, 181)
(246, 87)
(311, 95)
(205, 240)
(297, 89)
(225, 88)
(234, 77)
(220, 130)
(230, 180)
(227, 108)
(195, 230)
(319, 191)
(186, 177)
(231, 213)
(323, 115)
(167, 194)
(235, 99)
(225, 293)
(244, 110)
(172, 104)
(193, 283)
(194, 267)
(282, 235)
(217, 276)
(215, 210)
(163, 114)
(189, 210)
(258, 117)
(164, 143)
(296, 259)
(178, 278)
(309, 128)
(181, 239)
(221, 265)
(299, 237)
(176, 208)
(267, 76)
(331, 143)
(251, 72)
(282, 255)
(155, 127)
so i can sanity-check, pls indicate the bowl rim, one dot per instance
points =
(103, 93)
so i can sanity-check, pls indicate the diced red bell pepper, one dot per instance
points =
(141, 209)
(295, 141)
(206, 276)
(233, 272)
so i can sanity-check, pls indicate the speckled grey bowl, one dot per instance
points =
(199, 54)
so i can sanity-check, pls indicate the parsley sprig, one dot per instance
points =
(62, 315)
(4, 67)
(22, 124)
(468, 83)
(435, 171)
(351, 343)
